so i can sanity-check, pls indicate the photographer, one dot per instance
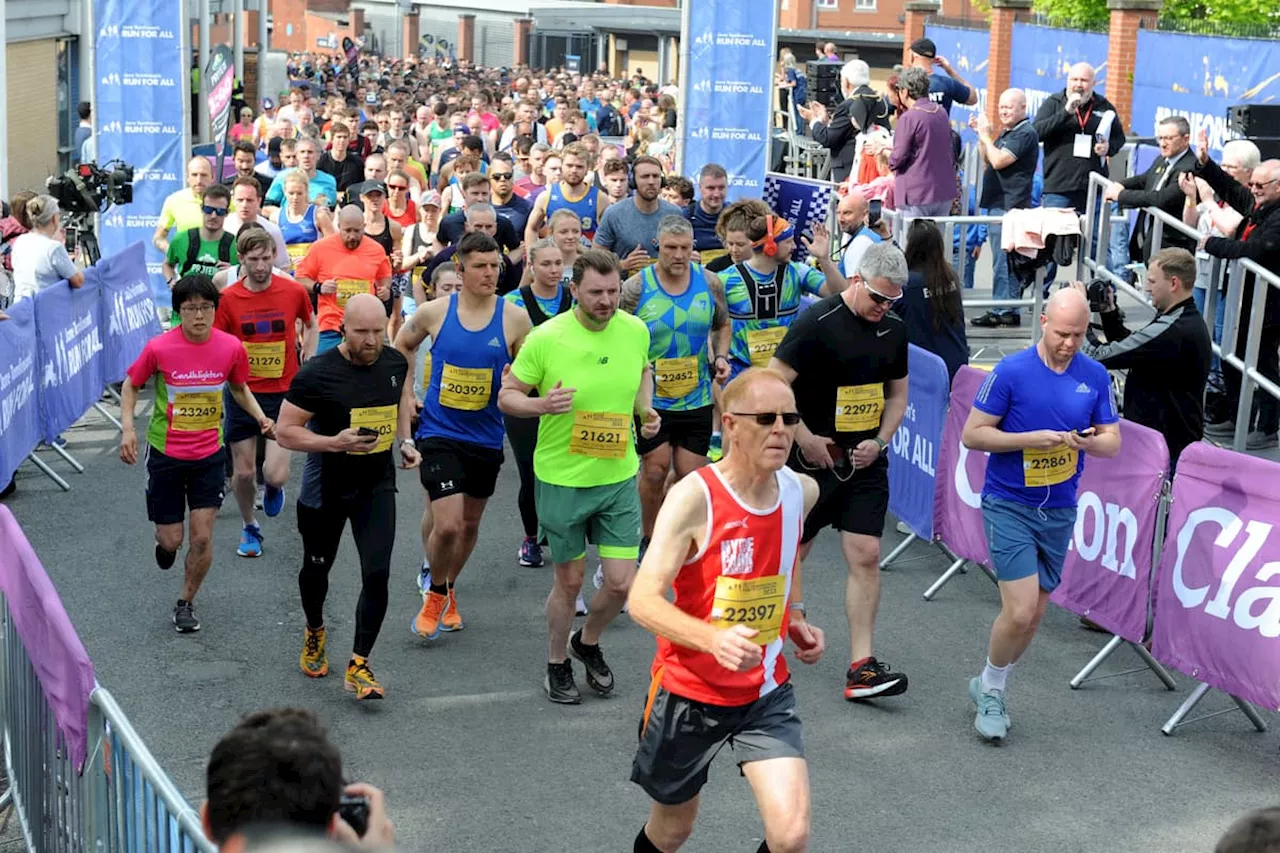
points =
(279, 767)
(1167, 359)
(40, 256)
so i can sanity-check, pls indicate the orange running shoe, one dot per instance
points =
(451, 620)
(427, 622)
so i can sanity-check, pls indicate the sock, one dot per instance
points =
(763, 848)
(994, 677)
(448, 584)
(440, 588)
(643, 844)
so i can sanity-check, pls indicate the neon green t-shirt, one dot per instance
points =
(594, 444)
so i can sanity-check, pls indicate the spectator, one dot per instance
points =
(944, 89)
(861, 108)
(1256, 832)
(923, 168)
(931, 308)
(40, 256)
(829, 53)
(1167, 359)
(83, 130)
(1257, 237)
(1006, 185)
(1158, 187)
(1069, 124)
(857, 234)
(242, 129)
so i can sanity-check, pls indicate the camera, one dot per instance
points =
(875, 208)
(355, 811)
(1100, 296)
(88, 188)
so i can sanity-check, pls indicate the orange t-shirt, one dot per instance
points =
(355, 272)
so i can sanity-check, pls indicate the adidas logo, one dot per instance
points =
(1082, 388)
(493, 342)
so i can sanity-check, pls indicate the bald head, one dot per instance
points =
(1080, 80)
(1067, 305)
(1065, 321)
(364, 309)
(351, 226)
(851, 213)
(1012, 107)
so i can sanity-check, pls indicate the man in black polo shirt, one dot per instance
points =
(846, 359)
(1011, 158)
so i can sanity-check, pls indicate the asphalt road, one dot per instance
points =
(474, 758)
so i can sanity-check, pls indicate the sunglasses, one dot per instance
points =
(878, 297)
(500, 176)
(1259, 185)
(397, 186)
(214, 211)
(768, 419)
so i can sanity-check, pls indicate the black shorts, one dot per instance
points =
(174, 485)
(688, 428)
(848, 500)
(240, 424)
(680, 737)
(451, 467)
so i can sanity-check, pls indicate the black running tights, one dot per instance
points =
(523, 435)
(373, 527)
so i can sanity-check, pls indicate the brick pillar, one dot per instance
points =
(796, 16)
(357, 23)
(914, 15)
(466, 38)
(1000, 55)
(411, 33)
(520, 50)
(1122, 52)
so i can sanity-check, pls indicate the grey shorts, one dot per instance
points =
(680, 737)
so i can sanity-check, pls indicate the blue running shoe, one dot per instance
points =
(992, 722)
(975, 693)
(530, 553)
(272, 500)
(250, 541)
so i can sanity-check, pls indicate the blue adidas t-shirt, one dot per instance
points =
(1028, 396)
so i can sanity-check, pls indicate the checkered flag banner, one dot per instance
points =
(802, 201)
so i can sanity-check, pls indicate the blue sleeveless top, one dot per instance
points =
(302, 231)
(466, 371)
(585, 208)
(679, 328)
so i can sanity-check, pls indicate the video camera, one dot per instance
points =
(88, 188)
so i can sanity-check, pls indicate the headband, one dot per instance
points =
(782, 230)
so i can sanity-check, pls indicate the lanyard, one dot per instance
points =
(1087, 115)
(1248, 229)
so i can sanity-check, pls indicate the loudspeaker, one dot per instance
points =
(1268, 146)
(824, 83)
(1254, 119)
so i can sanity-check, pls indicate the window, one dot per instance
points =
(68, 89)
(826, 4)
(864, 5)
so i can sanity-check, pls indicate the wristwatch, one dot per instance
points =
(408, 441)
(799, 605)
(884, 445)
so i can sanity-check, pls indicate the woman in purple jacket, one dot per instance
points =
(925, 176)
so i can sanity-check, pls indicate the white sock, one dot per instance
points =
(994, 677)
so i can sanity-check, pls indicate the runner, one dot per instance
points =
(566, 230)
(206, 249)
(262, 309)
(586, 374)
(389, 235)
(544, 297)
(731, 227)
(340, 266)
(193, 363)
(474, 335)
(682, 305)
(571, 193)
(704, 215)
(846, 357)
(719, 675)
(345, 408)
(1037, 414)
(301, 222)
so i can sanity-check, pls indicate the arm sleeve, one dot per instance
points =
(304, 391)
(309, 266)
(304, 304)
(898, 370)
(384, 268)
(1051, 120)
(1259, 247)
(835, 134)
(275, 195)
(177, 249)
(994, 395)
(960, 93)
(1154, 341)
(1227, 188)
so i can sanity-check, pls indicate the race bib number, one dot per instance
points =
(603, 435)
(761, 344)
(349, 287)
(465, 388)
(676, 377)
(755, 602)
(1049, 467)
(709, 255)
(858, 407)
(196, 411)
(380, 418)
(266, 360)
(297, 251)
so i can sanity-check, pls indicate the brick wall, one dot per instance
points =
(31, 92)
(1122, 52)
(288, 25)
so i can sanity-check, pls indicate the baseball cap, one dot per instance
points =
(268, 104)
(273, 145)
(371, 187)
(430, 198)
(924, 47)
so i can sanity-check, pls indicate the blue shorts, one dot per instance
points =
(327, 341)
(1025, 541)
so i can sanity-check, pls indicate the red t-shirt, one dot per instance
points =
(265, 323)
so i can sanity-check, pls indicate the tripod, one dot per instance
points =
(82, 239)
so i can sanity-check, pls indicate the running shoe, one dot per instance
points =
(272, 500)
(451, 619)
(250, 541)
(716, 451)
(184, 617)
(580, 606)
(360, 680)
(423, 581)
(260, 499)
(872, 680)
(164, 559)
(531, 553)
(992, 720)
(559, 684)
(314, 662)
(427, 622)
(599, 676)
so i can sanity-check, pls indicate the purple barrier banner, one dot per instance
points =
(957, 501)
(19, 404)
(56, 653)
(1218, 583)
(1107, 576)
(69, 343)
(127, 309)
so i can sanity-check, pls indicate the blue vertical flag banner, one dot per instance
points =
(140, 88)
(804, 202)
(1199, 77)
(127, 310)
(19, 410)
(727, 65)
(69, 349)
(967, 51)
(913, 456)
(1042, 56)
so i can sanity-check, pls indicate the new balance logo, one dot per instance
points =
(604, 359)
(1083, 388)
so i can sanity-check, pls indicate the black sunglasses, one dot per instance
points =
(500, 176)
(214, 211)
(768, 419)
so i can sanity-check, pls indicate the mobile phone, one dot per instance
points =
(372, 433)
(1085, 433)
(355, 811)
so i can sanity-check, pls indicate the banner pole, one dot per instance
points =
(954, 569)
(71, 460)
(48, 472)
(110, 417)
(686, 43)
(898, 549)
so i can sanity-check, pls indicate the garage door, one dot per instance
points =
(495, 42)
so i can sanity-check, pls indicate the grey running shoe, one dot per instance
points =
(991, 722)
